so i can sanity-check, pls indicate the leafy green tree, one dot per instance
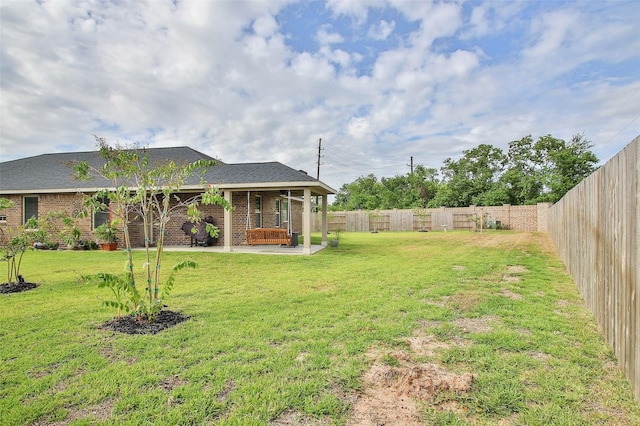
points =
(530, 172)
(565, 164)
(410, 191)
(547, 169)
(473, 179)
(414, 190)
(399, 192)
(523, 177)
(425, 181)
(149, 191)
(362, 194)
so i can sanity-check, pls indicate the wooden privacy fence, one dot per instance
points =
(595, 229)
(519, 218)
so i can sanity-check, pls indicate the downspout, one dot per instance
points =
(248, 222)
(289, 212)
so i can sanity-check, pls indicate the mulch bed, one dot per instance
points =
(130, 325)
(16, 287)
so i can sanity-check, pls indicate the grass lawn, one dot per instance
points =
(286, 340)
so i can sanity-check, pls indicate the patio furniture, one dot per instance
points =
(201, 237)
(268, 236)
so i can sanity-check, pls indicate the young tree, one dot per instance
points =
(149, 191)
(15, 242)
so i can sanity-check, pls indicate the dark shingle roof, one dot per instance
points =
(51, 173)
(256, 173)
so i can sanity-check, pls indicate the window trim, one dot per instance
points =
(24, 207)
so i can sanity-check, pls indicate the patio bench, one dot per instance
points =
(267, 236)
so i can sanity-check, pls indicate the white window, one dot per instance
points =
(278, 221)
(258, 211)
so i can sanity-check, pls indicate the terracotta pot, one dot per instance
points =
(109, 246)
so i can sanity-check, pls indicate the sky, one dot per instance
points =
(379, 82)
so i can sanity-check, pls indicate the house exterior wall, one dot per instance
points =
(72, 203)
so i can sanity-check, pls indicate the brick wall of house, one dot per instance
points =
(72, 203)
(13, 214)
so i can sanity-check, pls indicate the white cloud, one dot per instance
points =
(228, 79)
(325, 37)
(359, 128)
(356, 10)
(265, 26)
(382, 30)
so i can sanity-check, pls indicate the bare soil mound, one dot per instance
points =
(132, 325)
(16, 287)
(391, 394)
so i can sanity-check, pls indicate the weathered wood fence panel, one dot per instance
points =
(519, 218)
(595, 229)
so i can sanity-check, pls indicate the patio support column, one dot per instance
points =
(306, 222)
(324, 219)
(228, 222)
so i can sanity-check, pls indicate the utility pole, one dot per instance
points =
(318, 174)
(319, 150)
(411, 165)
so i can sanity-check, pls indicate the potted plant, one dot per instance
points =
(336, 238)
(107, 237)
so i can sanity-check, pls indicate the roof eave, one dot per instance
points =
(315, 186)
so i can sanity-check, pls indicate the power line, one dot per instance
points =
(623, 129)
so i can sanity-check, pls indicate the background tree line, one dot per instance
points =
(529, 172)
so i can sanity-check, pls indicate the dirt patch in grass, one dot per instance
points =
(434, 303)
(171, 382)
(516, 269)
(111, 355)
(513, 272)
(511, 278)
(510, 295)
(131, 325)
(292, 418)
(98, 413)
(458, 268)
(7, 288)
(463, 301)
(396, 387)
(476, 325)
(392, 395)
(426, 345)
(223, 395)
